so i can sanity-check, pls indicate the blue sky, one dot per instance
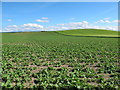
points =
(60, 0)
(47, 15)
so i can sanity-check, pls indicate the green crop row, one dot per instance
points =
(47, 60)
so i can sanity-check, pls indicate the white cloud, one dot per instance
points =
(60, 24)
(0, 30)
(33, 25)
(116, 21)
(84, 25)
(103, 21)
(12, 26)
(9, 20)
(24, 27)
(63, 26)
(78, 24)
(44, 21)
(106, 20)
(85, 22)
(100, 21)
(44, 18)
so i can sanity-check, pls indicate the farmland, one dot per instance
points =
(90, 32)
(55, 61)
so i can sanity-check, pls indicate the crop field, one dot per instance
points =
(52, 61)
(91, 32)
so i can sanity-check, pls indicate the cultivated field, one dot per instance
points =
(91, 32)
(55, 61)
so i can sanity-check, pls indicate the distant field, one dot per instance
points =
(90, 32)
(52, 61)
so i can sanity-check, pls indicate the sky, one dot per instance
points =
(60, 0)
(52, 16)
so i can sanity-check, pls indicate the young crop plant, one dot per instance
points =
(52, 61)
